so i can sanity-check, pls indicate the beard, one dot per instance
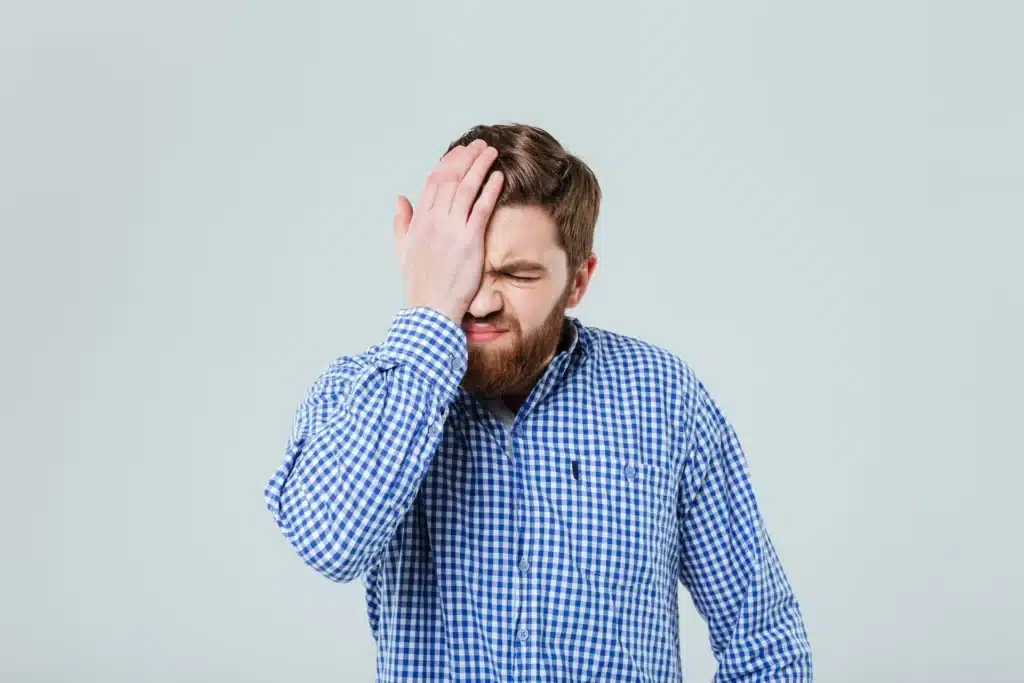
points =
(495, 369)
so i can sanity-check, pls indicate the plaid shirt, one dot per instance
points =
(542, 546)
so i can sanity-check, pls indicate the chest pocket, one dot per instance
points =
(620, 505)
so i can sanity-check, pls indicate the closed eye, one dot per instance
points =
(521, 278)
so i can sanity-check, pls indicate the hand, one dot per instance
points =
(441, 247)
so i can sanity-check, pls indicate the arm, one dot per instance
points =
(729, 565)
(362, 440)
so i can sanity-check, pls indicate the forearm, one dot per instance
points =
(729, 564)
(362, 442)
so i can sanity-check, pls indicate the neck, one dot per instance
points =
(515, 399)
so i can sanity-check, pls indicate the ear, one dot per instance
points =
(581, 280)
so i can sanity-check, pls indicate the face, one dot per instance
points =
(515, 321)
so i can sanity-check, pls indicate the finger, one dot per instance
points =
(455, 171)
(400, 224)
(403, 216)
(484, 205)
(469, 188)
(436, 177)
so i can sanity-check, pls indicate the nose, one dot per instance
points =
(486, 301)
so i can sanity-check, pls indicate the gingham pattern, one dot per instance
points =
(483, 556)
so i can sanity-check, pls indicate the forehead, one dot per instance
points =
(522, 232)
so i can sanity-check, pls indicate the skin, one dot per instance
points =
(525, 290)
(497, 269)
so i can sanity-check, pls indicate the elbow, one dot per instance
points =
(330, 556)
(308, 529)
(779, 651)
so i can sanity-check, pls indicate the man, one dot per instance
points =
(521, 493)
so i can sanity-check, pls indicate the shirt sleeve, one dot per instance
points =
(728, 563)
(362, 440)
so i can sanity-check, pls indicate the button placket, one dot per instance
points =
(517, 580)
(524, 565)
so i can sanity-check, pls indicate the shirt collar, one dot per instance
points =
(576, 345)
(580, 339)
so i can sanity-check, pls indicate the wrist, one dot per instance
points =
(449, 311)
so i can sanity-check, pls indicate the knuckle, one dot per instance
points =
(467, 187)
(453, 153)
(443, 176)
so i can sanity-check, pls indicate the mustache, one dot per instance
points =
(505, 323)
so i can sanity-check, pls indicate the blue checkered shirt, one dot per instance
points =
(541, 546)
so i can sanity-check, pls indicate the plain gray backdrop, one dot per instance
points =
(816, 205)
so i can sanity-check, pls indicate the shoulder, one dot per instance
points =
(650, 364)
(616, 348)
(660, 378)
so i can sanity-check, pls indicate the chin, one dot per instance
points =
(501, 338)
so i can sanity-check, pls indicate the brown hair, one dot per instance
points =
(539, 171)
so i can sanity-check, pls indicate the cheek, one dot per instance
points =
(530, 307)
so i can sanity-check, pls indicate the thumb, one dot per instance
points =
(403, 217)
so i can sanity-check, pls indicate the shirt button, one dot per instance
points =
(524, 565)
(523, 634)
(455, 363)
(629, 471)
